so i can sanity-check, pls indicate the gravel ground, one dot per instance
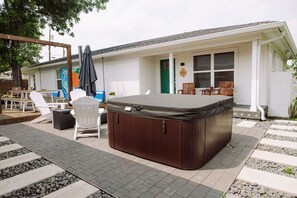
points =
(6, 143)
(14, 153)
(271, 167)
(264, 124)
(286, 151)
(283, 138)
(251, 190)
(22, 168)
(45, 187)
(286, 124)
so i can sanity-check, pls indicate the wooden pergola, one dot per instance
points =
(43, 42)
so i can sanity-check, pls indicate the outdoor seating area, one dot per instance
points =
(188, 88)
(225, 88)
(18, 98)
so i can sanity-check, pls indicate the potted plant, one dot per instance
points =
(111, 95)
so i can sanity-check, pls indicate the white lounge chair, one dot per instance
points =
(43, 107)
(87, 116)
(76, 93)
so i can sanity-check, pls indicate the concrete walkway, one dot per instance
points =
(125, 175)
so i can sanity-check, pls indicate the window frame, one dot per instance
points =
(212, 70)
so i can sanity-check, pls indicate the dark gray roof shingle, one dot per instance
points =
(164, 39)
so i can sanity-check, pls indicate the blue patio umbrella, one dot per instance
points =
(87, 74)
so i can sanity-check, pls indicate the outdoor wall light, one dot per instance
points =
(182, 71)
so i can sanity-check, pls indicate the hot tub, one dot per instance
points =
(183, 131)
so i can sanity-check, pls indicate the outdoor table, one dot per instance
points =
(62, 119)
(183, 131)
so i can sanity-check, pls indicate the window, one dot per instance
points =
(59, 80)
(211, 69)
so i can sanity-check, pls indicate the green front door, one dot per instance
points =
(164, 72)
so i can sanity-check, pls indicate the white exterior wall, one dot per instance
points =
(187, 59)
(147, 77)
(48, 79)
(280, 93)
(122, 76)
(99, 71)
(242, 88)
(280, 84)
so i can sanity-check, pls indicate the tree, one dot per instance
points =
(28, 18)
(294, 67)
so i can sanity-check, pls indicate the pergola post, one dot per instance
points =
(43, 42)
(69, 65)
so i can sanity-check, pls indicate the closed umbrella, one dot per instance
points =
(87, 74)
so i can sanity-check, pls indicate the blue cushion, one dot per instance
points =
(100, 95)
(56, 93)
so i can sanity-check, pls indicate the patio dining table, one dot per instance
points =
(24, 98)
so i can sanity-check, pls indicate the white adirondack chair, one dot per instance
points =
(87, 116)
(77, 93)
(43, 107)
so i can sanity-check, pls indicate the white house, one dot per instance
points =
(252, 55)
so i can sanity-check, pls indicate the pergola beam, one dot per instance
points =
(43, 42)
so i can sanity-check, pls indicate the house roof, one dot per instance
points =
(166, 39)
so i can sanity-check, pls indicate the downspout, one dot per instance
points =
(258, 72)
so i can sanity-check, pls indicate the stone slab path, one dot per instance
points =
(269, 179)
(19, 181)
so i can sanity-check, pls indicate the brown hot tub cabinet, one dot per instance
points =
(182, 131)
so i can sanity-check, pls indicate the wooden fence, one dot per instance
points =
(6, 85)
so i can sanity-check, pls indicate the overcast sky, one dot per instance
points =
(126, 21)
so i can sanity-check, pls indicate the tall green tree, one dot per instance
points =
(28, 18)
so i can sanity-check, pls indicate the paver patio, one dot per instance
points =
(125, 175)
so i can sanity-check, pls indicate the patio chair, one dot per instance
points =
(87, 116)
(188, 88)
(43, 107)
(225, 88)
(76, 93)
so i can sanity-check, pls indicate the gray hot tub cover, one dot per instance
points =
(171, 106)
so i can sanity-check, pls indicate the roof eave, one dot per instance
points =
(201, 38)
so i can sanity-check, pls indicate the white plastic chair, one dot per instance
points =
(43, 107)
(77, 93)
(87, 116)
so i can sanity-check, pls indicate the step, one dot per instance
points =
(275, 157)
(286, 121)
(18, 160)
(283, 127)
(28, 178)
(270, 180)
(76, 190)
(281, 133)
(3, 139)
(279, 143)
(10, 147)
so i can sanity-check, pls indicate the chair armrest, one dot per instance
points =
(62, 105)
